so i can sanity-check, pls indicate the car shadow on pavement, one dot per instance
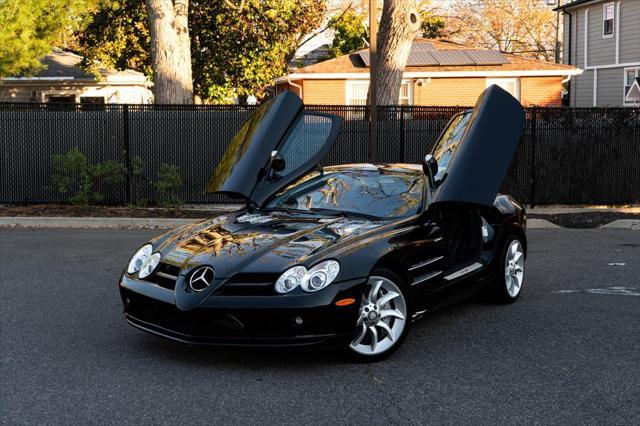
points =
(146, 345)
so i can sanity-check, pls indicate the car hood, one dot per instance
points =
(258, 243)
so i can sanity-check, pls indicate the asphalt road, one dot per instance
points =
(564, 353)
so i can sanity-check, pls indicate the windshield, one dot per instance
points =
(380, 193)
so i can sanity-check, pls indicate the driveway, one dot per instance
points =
(567, 352)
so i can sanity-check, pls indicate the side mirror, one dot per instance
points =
(277, 162)
(430, 168)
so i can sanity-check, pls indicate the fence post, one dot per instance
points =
(127, 153)
(402, 135)
(533, 136)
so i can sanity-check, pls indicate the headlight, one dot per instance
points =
(150, 266)
(139, 259)
(291, 279)
(310, 280)
(143, 261)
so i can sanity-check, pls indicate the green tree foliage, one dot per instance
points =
(350, 33)
(351, 28)
(117, 36)
(432, 26)
(30, 28)
(234, 51)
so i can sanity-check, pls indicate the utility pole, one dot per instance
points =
(557, 45)
(373, 83)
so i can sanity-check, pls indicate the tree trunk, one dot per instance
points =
(399, 26)
(170, 51)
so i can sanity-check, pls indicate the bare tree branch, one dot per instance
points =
(233, 6)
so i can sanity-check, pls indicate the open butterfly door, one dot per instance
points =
(278, 143)
(475, 150)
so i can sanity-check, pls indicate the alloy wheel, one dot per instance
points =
(514, 268)
(382, 317)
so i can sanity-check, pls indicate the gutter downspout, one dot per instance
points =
(291, 83)
(569, 52)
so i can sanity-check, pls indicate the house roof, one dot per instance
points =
(64, 65)
(352, 66)
(575, 3)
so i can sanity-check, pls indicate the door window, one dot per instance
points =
(448, 144)
(305, 140)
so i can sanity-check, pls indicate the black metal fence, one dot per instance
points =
(566, 156)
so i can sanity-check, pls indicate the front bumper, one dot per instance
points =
(272, 320)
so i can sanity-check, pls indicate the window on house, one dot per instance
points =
(61, 102)
(92, 103)
(511, 85)
(630, 75)
(608, 15)
(61, 99)
(406, 93)
(357, 93)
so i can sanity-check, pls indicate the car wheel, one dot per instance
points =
(383, 320)
(510, 271)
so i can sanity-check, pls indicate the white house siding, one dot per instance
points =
(601, 50)
(581, 84)
(582, 89)
(610, 81)
(630, 31)
(578, 25)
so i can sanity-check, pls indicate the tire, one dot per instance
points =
(390, 320)
(510, 268)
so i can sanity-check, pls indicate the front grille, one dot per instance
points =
(249, 285)
(165, 276)
(199, 322)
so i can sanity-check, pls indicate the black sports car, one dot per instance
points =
(347, 255)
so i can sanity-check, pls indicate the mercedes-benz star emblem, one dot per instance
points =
(201, 278)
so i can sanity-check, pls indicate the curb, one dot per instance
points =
(632, 224)
(150, 223)
(541, 224)
(93, 222)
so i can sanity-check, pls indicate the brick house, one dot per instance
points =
(437, 74)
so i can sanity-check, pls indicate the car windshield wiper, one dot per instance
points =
(285, 210)
(344, 213)
(320, 211)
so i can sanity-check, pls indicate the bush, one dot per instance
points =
(81, 181)
(168, 184)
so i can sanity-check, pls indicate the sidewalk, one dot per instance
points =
(551, 210)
